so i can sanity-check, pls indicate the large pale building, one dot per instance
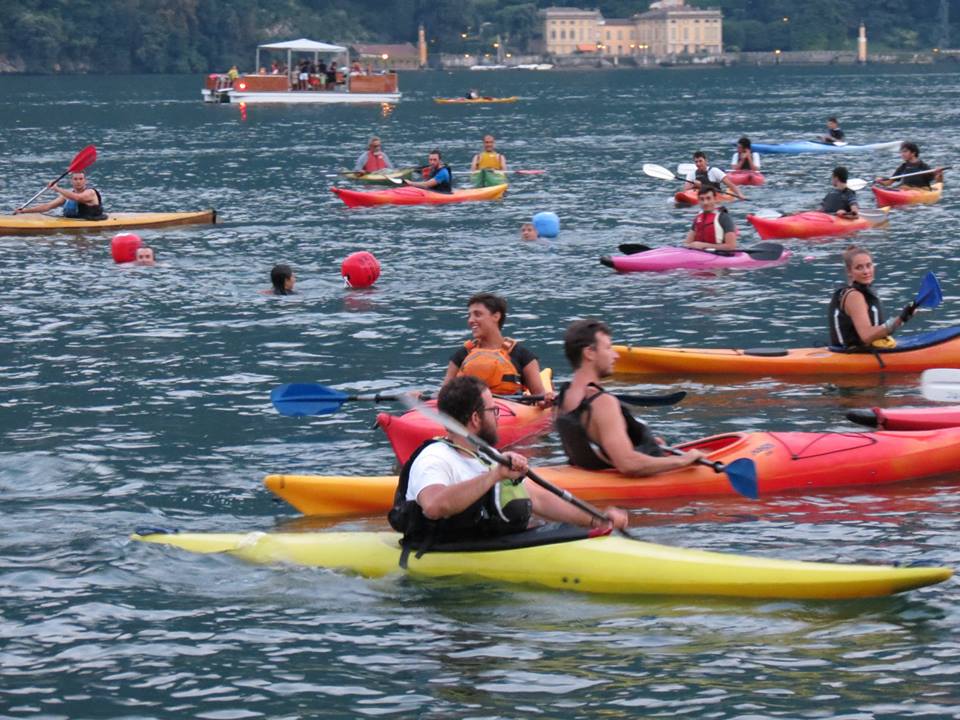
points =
(678, 29)
(569, 30)
(669, 28)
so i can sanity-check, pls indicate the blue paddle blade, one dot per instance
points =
(302, 399)
(930, 295)
(742, 475)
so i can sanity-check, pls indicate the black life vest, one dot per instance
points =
(580, 448)
(74, 209)
(444, 187)
(500, 511)
(842, 331)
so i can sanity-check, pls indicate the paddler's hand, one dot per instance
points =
(907, 312)
(616, 518)
(691, 456)
(548, 400)
(18, 211)
(518, 467)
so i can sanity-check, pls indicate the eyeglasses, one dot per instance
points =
(495, 410)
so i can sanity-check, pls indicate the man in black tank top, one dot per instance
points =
(595, 429)
(81, 201)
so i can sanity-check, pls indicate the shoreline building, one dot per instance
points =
(668, 29)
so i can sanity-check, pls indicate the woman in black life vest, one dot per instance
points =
(856, 314)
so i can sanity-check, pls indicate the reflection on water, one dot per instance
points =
(141, 398)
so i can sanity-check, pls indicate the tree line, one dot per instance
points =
(189, 36)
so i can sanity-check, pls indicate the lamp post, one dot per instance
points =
(776, 55)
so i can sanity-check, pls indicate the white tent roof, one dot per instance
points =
(304, 45)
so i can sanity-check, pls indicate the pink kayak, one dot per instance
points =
(926, 418)
(676, 258)
(746, 177)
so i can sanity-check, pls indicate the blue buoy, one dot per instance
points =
(547, 224)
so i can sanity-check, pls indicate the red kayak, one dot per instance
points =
(517, 421)
(746, 177)
(926, 418)
(815, 224)
(689, 197)
(415, 196)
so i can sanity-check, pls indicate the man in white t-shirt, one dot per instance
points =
(447, 479)
(704, 173)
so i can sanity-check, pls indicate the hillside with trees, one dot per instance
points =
(185, 36)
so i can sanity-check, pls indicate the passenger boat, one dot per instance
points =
(260, 87)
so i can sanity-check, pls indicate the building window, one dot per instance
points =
(563, 34)
(553, 34)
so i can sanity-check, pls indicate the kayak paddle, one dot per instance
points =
(742, 473)
(860, 183)
(81, 161)
(303, 399)
(941, 384)
(659, 172)
(760, 251)
(929, 295)
(684, 168)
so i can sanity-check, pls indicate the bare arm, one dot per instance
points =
(734, 189)
(855, 306)
(42, 207)
(606, 422)
(503, 163)
(440, 501)
(452, 371)
(475, 163)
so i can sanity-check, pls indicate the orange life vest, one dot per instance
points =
(374, 163)
(494, 367)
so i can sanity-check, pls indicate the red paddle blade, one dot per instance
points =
(83, 159)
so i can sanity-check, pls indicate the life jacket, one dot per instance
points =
(374, 162)
(74, 209)
(444, 187)
(504, 509)
(703, 176)
(581, 450)
(489, 161)
(842, 331)
(707, 227)
(494, 367)
(745, 163)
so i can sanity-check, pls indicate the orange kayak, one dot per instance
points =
(908, 195)
(785, 461)
(689, 197)
(815, 224)
(922, 418)
(475, 101)
(415, 196)
(517, 421)
(913, 354)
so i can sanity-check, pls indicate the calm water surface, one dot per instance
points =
(139, 396)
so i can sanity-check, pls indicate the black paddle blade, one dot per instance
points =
(863, 416)
(632, 248)
(652, 400)
(606, 260)
(764, 251)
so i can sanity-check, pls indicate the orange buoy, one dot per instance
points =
(124, 246)
(360, 270)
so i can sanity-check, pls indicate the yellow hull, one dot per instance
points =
(36, 223)
(609, 564)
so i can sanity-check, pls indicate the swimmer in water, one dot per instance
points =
(145, 256)
(528, 232)
(283, 280)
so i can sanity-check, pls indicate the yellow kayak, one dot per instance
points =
(474, 101)
(566, 558)
(381, 177)
(35, 223)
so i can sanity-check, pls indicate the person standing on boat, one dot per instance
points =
(488, 158)
(373, 158)
(713, 228)
(596, 430)
(834, 134)
(439, 178)
(81, 202)
(446, 491)
(744, 158)
(841, 201)
(705, 173)
(910, 154)
(855, 314)
(505, 365)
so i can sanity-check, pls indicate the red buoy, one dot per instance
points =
(360, 270)
(124, 246)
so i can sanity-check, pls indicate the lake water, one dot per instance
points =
(139, 396)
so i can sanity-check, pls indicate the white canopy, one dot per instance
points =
(303, 45)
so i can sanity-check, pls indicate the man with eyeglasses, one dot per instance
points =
(447, 491)
(373, 159)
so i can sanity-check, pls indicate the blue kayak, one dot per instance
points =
(810, 146)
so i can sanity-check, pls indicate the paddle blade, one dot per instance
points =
(768, 213)
(652, 400)
(684, 168)
(658, 171)
(632, 248)
(742, 474)
(529, 172)
(941, 384)
(930, 295)
(857, 183)
(83, 159)
(764, 251)
(302, 399)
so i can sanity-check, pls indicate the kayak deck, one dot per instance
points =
(415, 196)
(34, 223)
(607, 564)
